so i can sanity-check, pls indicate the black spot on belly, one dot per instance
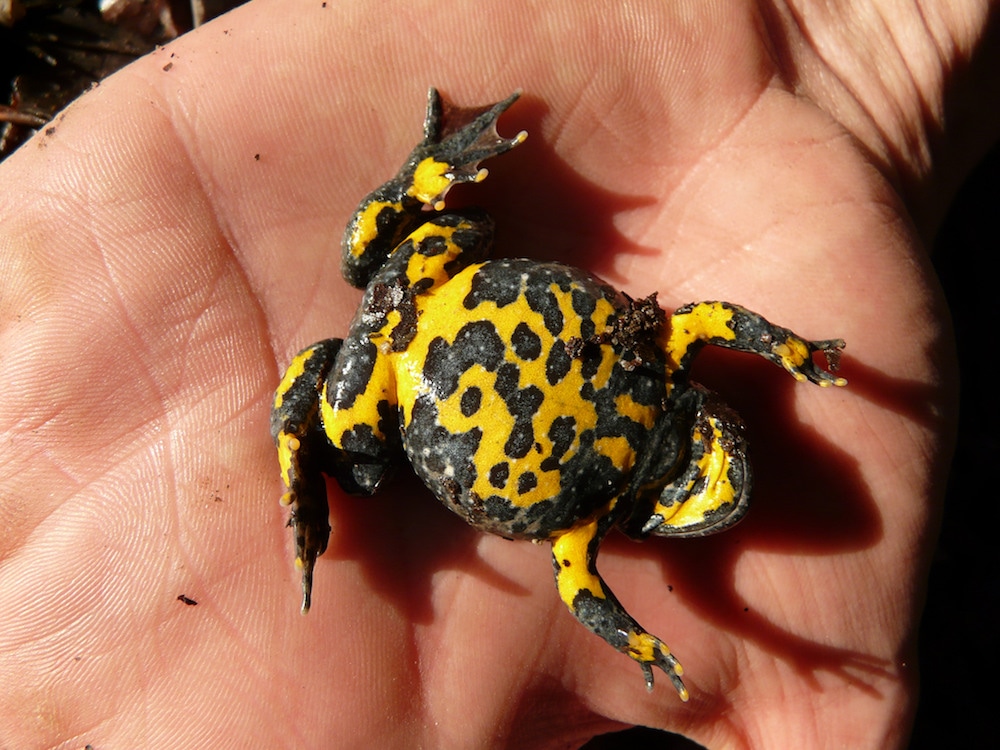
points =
(526, 482)
(431, 245)
(508, 378)
(561, 433)
(584, 305)
(495, 282)
(499, 474)
(584, 302)
(524, 402)
(557, 364)
(590, 362)
(522, 437)
(526, 343)
(541, 299)
(476, 343)
(500, 509)
(472, 398)
(447, 455)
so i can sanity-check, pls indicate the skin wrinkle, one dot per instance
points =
(202, 323)
(917, 149)
(818, 85)
(57, 465)
(138, 346)
(146, 355)
(311, 285)
(704, 278)
(911, 143)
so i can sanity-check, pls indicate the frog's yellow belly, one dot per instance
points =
(505, 419)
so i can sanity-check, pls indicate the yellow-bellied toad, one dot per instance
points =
(532, 399)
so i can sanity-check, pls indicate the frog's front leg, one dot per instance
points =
(304, 454)
(454, 142)
(574, 558)
(734, 327)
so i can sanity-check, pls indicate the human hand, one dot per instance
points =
(174, 240)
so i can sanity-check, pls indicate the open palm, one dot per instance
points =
(173, 239)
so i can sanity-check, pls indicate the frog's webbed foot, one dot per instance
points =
(303, 454)
(455, 141)
(800, 364)
(734, 327)
(574, 558)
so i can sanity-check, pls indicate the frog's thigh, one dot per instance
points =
(359, 416)
(574, 559)
(712, 491)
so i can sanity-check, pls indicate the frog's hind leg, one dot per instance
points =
(574, 558)
(454, 142)
(359, 413)
(304, 454)
(711, 492)
(734, 327)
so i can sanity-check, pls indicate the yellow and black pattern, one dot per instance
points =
(532, 399)
(574, 559)
(304, 455)
(449, 153)
(498, 382)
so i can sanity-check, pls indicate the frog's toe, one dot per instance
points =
(311, 526)
(650, 651)
(802, 367)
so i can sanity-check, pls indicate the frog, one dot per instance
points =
(530, 397)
